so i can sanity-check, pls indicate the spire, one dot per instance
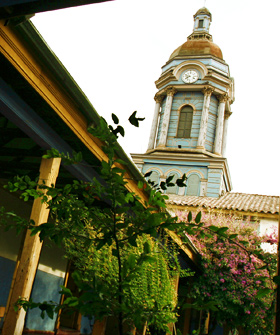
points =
(202, 21)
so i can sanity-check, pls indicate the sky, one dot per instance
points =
(115, 50)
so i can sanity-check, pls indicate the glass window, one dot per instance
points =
(185, 122)
(193, 185)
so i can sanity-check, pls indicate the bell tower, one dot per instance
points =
(192, 108)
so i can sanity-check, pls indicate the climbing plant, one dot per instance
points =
(237, 273)
(125, 267)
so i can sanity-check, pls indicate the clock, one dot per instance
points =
(190, 76)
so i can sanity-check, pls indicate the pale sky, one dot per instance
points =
(115, 51)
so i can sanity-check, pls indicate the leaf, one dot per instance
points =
(115, 118)
(213, 228)
(147, 248)
(115, 252)
(163, 186)
(132, 241)
(180, 183)
(190, 216)
(100, 244)
(168, 180)
(198, 217)
(276, 280)
(121, 161)
(66, 291)
(140, 184)
(263, 292)
(134, 120)
(147, 174)
(131, 261)
(222, 230)
(120, 130)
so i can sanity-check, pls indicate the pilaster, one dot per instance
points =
(204, 117)
(151, 144)
(215, 175)
(225, 130)
(220, 124)
(171, 91)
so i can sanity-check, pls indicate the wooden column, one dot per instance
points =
(166, 117)
(29, 258)
(204, 118)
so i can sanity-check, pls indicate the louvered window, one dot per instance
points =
(185, 122)
(200, 24)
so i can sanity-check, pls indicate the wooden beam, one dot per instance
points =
(29, 258)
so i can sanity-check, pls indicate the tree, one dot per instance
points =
(124, 263)
(237, 274)
(100, 220)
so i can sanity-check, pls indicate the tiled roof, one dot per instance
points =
(230, 201)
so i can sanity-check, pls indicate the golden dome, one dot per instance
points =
(197, 47)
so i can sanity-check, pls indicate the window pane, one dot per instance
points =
(200, 24)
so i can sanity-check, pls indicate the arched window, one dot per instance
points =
(154, 177)
(193, 184)
(185, 122)
(173, 189)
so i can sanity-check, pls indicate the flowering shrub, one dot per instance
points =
(237, 273)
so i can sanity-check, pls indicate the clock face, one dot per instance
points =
(190, 76)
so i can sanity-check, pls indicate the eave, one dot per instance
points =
(27, 52)
(21, 8)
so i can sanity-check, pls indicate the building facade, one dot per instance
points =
(193, 105)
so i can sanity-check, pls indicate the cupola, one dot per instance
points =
(200, 42)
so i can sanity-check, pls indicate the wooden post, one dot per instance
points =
(204, 320)
(99, 327)
(29, 257)
(141, 331)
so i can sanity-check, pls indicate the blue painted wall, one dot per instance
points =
(195, 99)
(206, 61)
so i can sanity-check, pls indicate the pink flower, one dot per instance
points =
(222, 280)
(247, 312)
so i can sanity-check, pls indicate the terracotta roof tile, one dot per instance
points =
(231, 201)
